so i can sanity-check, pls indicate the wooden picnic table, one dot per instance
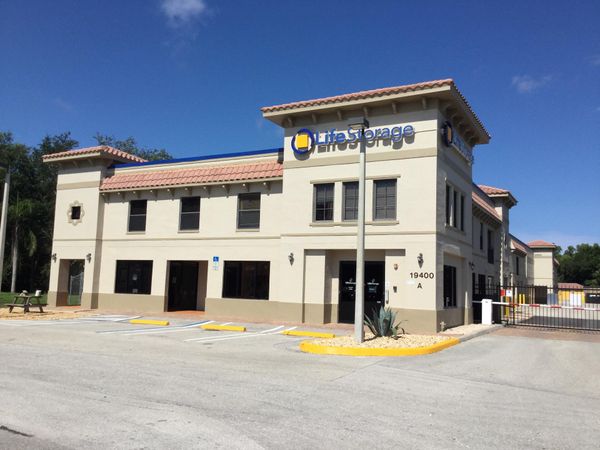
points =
(26, 302)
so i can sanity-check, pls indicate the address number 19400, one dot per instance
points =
(422, 274)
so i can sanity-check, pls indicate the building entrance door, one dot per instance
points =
(76, 268)
(373, 288)
(183, 285)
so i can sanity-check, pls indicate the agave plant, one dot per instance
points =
(383, 323)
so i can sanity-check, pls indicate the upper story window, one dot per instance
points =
(323, 202)
(448, 205)
(490, 247)
(248, 211)
(384, 200)
(137, 215)
(517, 264)
(75, 212)
(455, 208)
(189, 218)
(462, 213)
(480, 235)
(350, 207)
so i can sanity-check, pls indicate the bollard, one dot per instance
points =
(486, 311)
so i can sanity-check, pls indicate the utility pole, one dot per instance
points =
(359, 290)
(4, 218)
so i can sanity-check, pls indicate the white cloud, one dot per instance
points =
(63, 104)
(183, 12)
(524, 84)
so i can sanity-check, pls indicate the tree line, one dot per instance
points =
(32, 195)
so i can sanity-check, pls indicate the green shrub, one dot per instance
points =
(383, 323)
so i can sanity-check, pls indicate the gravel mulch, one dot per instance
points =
(33, 315)
(404, 341)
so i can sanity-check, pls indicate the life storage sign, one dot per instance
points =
(306, 140)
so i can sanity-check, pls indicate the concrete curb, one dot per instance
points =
(315, 334)
(310, 347)
(468, 337)
(162, 323)
(211, 327)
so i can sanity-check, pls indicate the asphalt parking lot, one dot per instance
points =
(104, 384)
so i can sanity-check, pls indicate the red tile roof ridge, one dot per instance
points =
(95, 149)
(359, 95)
(480, 200)
(371, 93)
(491, 190)
(542, 244)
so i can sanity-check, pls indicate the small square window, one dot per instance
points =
(75, 212)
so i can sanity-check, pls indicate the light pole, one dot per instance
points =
(359, 290)
(4, 217)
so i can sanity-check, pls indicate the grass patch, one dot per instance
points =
(8, 297)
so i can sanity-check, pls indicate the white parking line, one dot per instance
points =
(227, 337)
(167, 329)
(109, 318)
(155, 330)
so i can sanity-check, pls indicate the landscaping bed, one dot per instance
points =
(404, 345)
(36, 315)
(404, 341)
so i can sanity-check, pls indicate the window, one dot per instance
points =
(137, 215)
(75, 212)
(481, 284)
(462, 213)
(246, 279)
(190, 213)
(133, 277)
(449, 287)
(350, 207)
(480, 235)
(323, 202)
(517, 264)
(448, 210)
(249, 211)
(490, 247)
(384, 193)
(454, 209)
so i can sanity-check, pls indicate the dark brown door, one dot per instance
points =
(183, 285)
(373, 289)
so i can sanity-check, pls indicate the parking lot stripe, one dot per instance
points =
(167, 330)
(269, 332)
(158, 329)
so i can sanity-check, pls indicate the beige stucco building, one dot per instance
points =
(271, 234)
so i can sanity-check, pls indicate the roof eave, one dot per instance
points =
(80, 157)
(189, 185)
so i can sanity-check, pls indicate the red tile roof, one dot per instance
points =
(374, 93)
(490, 190)
(482, 202)
(103, 150)
(193, 176)
(541, 244)
(518, 245)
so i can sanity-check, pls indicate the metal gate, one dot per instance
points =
(543, 307)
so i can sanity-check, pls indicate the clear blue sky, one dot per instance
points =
(191, 75)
